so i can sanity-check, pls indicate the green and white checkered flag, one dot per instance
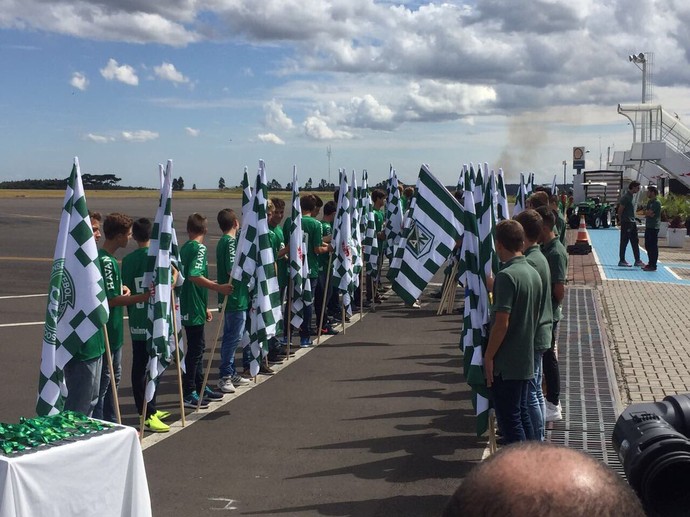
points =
(486, 224)
(355, 214)
(255, 266)
(246, 194)
(520, 196)
(301, 295)
(371, 243)
(343, 247)
(554, 186)
(530, 185)
(473, 335)
(502, 210)
(435, 225)
(77, 305)
(159, 279)
(394, 217)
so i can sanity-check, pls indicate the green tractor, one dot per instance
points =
(597, 211)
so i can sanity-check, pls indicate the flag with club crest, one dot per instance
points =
(343, 247)
(77, 305)
(246, 194)
(502, 211)
(255, 266)
(371, 244)
(520, 196)
(159, 278)
(392, 225)
(301, 295)
(473, 332)
(435, 226)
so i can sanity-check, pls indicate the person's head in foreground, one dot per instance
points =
(532, 479)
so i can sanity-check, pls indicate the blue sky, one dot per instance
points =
(218, 84)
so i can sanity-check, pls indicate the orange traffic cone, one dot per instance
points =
(581, 246)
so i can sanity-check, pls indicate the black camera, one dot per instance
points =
(653, 444)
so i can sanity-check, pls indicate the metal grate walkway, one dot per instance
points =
(588, 385)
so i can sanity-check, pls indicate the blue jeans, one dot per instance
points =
(83, 381)
(105, 408)
(305, 329)
(508, 395)
(534, 404)
(232, 335)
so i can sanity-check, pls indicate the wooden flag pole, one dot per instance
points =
(493, 446)
(444, 294)
(323, 302)
(113, 385)
(177, 356)
(361, 292)
(213, 350)
(289, 315)
(342, 308)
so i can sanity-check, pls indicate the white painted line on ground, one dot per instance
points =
(13, 297)
(598, 263)
(671, 271)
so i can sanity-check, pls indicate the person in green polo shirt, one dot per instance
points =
(628, 226)
(117, 229)
(509, 356)
(651, 231)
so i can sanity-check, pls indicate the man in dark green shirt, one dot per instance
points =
(628, 226)
(509, 356)
(651, 231)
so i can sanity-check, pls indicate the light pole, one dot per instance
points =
(641, 59)
(564, 166)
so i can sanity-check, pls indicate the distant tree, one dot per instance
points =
(193, 186)
(178, 184)
(307, 185)
(288, 186)
(274, 185)
(323, 184)
(221, 183)
(100, 181)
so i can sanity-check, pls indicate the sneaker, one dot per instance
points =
(329, 331)
(305, 342)
(415, 305)
(225, 385)
(282, 340)
(266, 370)
(211, 395)
(553, 412)
(162, 415)
(639, 263)
(238, 381)
(624, 263)
(648, 268)
(154, 425)
(192, 401)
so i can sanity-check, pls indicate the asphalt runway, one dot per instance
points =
(374, 422)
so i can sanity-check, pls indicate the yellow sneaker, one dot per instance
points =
(162, 415)
(154, 425)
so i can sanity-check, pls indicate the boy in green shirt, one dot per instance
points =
(236, 305)
(195, 313)
(134, 267)
(117, 229)
(509, 356)
(324, 277)
(651, 231)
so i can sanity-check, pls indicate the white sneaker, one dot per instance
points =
(416, 305)
(225, 385)
(238, 381)
(553, 412)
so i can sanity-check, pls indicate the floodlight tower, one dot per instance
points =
(644, 61)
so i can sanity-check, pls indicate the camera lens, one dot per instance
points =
(664, 485)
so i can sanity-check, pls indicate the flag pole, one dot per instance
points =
(361, 292)
(323, 302)
(444, 294)
(342, 309)
(213, 350)
(493, 446)
(143, 421)
(113, 386)
(177, 355)
(289, 315)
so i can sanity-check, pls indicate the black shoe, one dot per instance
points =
(266, 370)
(211, 395)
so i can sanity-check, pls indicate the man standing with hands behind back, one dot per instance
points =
(651, 231)
(628, 225)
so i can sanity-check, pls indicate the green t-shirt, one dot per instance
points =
(326, 229)
(133, 270)
(282, 262)
(226, 251)
(653, 223)
(314, 238)
(112, 278)
(628, 215)
(378, 226)
(560, 226)
(542, 336)
(557, 257)
(193, 299)
(517, 287)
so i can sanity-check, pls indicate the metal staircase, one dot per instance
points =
(659, 139)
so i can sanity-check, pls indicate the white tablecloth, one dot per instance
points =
(100, 476)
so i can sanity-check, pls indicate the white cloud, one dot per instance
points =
(192, 132)
(99, 139)
(141, 135)
(275, 118)
(270, 138)
(168, 72)
(316, 128)
(122, 73)
(79, 81)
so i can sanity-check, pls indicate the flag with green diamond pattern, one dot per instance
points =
(246, 194)
(502, 211)
(392, 225)
(473, 336)
(435, 224)
(370, 245)
(301, 295)
(343, 246)
(520, 197)
(356, 214)
(77, 305)
(255, 266)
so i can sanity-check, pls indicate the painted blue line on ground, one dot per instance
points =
(606, 243)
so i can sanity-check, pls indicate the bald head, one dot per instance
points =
(541, 480)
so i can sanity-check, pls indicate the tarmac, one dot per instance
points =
(374, 421)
